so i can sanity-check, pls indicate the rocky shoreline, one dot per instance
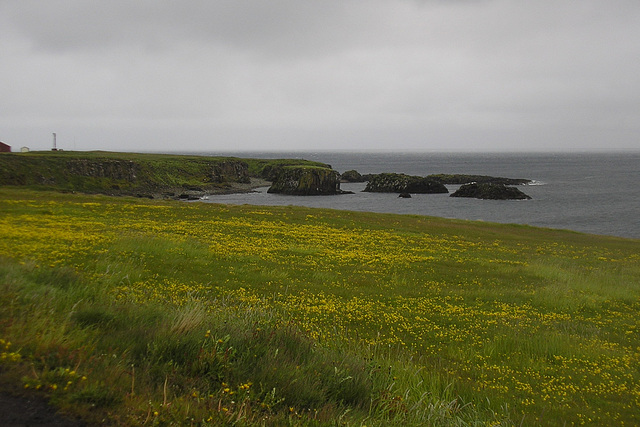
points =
(474, 186)
(198, 193)
(161, 176)
(490, 191)
(311, 181)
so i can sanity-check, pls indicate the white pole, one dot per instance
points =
(54, 142)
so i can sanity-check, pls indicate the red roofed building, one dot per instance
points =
(4, 148)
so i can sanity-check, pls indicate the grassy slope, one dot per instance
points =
(155, 173)
(176, 312)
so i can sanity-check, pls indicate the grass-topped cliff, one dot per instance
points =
(147, 175)
(148, 312)
(306, 181)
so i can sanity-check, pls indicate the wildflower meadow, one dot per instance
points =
(148, 312)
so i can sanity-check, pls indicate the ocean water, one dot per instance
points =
(596, 193)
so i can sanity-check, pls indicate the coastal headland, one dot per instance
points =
(158, 176)
(163, 176)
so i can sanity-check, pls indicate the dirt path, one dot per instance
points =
(31, 411)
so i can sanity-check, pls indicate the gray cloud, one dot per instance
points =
(278, 25)
(212, 75)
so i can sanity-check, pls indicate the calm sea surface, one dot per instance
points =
(592, 193)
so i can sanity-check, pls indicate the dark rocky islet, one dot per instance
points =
(490, 191)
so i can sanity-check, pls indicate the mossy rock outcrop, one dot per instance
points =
(401, 183)
(490, 192)
(121, 170)
(306, 181)
(352, 176)
(273, 168)
(231, 170)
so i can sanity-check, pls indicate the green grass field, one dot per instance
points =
(157, 313)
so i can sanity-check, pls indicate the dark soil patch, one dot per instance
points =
(31, 411)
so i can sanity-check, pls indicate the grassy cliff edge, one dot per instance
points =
(135, 174)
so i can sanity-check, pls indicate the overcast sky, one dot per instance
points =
(210, 75)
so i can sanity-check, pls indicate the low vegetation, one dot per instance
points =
(153, 312)
(135, 174)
